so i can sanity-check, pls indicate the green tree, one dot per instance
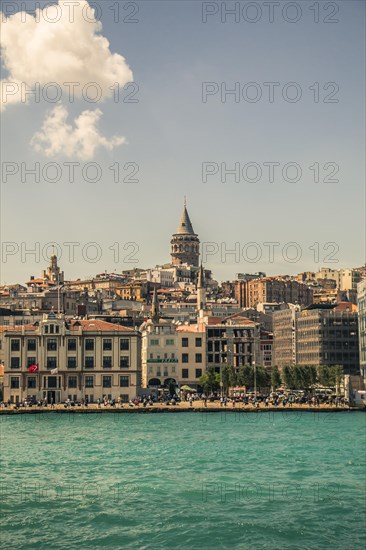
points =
(246, 376)
(263, 378)
(288, 376)
(313, 375)
(336, 376)
(324, 376)
(225, 378)
(233, 377)
(210, 381)
(275, 378)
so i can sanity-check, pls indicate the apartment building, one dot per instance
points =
(328, 335)
(361, 300)
(272, 289)
(74, 359)
(234, 341)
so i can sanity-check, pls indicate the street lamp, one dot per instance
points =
(255, 380)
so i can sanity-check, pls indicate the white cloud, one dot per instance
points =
(70, 49)
(79, 140)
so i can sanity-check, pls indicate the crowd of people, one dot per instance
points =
(274, 399)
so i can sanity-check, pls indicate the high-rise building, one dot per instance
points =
(361, 300)
(284, 336)
(328, 335)
(185, 242)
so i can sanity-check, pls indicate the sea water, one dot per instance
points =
(272, 480)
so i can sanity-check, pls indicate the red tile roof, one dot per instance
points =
(88, 325)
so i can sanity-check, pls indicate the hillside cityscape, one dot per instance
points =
(154, 331)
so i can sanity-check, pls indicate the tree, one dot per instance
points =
(246, 376)
(324, 375)
(275, 378)
(225, 378)
(288, 377)
(263, 378)
(313, 375)
(210, 380)
(336, 376)
(233, 377)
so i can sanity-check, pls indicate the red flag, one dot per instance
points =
(33, 368)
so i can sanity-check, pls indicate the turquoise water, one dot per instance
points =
(187, 481)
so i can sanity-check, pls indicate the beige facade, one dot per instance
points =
(192, 353)
(76, 359)
(272, 290)
(346, 279)
(284, 336)
(172, 352)
(361, 300)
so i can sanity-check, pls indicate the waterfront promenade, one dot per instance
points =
(183, 407)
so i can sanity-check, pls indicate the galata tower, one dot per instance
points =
(185, 243)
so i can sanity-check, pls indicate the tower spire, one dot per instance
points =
(201, 291)
(185, 242)
(155, 313)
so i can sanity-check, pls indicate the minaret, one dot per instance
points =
(185, 242)
(201, 292)
(155, 313)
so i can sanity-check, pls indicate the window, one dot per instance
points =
(71, 344)
(71, 363)
(170, 342)
(31, 361)
(15, 345)
(57, 329)
(46, 329)
(184, 373)
(72, 382)
(107, 381)
(184, 342)
(89, 381)
(31, 344)
(15, 362)
(124, 344)
(107, 344)
(107, 362)
(89, 362)
(198, 373)
(14, 382)
(198, 342)
(124, 381)
(124, 362)
(124, 397)
(51, 362)
(89, 344)
(185, 358)
(51, 344)
(198, 357)
(31, 382)
(154, 342)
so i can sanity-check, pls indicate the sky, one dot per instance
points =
(257, 117)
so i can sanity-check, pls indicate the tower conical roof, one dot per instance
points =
(185, 225)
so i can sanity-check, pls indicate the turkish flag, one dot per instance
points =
(33, 368)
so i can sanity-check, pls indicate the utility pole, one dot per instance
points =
(255, 380)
